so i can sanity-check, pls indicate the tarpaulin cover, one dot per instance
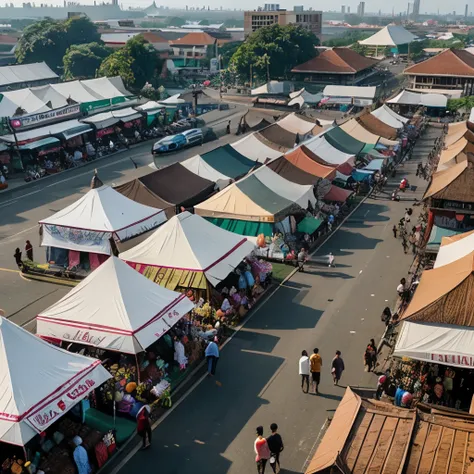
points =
(356, 130)
(302, 158)
(454, 183)
(337, 194)
(297, 193)
(138, 192)
(114, 308)
(198, 166)
(345, 169)
(248, 228)
(178, 185)
(361, 175)
(389, 117)
(375, 165)
(437, 234)
(278, 135)
(341, 140)
(373, 124)
(456, 131)
(101, 213)
(296, 124)
(331, 155)
(309, 225)
(189, 242)
(228, 161)
(248, 199)
(40, 383)
(255, 150)
(437, 344)
(454, 247)
(291, 172)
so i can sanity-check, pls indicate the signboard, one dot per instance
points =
(34, 120)
(363, 102)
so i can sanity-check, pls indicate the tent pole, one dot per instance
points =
(138, 367)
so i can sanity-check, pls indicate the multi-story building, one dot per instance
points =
(308, 19)
(361, 9)
(343, 9)
(416, 9)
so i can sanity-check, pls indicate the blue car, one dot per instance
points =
(179, 141)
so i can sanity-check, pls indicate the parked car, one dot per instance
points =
(178, 141)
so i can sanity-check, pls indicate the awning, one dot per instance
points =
(39, 143)
(389, 117)
(309, 225)
(373, 124)
(107, 119)
(437, 234)
(278, 136)
(302, 159)
(453, 183)
(341, 140)
(246, 228)
(120, 309)
(454, 247)
(228, 161)
(375, 165)
(289, 171)
(414, 98)
(337, 194)
(436, 343)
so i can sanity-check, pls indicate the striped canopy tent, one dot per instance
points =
(327, 152)
(373, 124)
(256, 149)
(305, 159)
(188, 252)
(346, 143)
(298, 124)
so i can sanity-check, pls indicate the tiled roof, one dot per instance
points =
(451, 62)
(336, 60)
(194, 39)
(154, 38)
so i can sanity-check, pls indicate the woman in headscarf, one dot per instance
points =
(80, 457)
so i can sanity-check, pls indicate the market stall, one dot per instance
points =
(389, 117)
(304, 159)
(256, 150)
(304, 126)
(40, 153)
(344, 142)
(331, 155)
(45, 384)
(84, 233)
(278, 136)
(376, 126)
(292, 173)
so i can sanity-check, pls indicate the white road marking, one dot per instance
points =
(17, 234)
(10, 201)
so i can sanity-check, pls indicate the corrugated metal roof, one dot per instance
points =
(25, 73)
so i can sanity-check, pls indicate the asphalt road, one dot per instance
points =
(21, 209)
(213, 429)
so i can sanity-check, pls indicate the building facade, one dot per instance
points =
(309, 19)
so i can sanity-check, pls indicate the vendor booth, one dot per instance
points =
(188, 252)
(93, 224)
(389, 117)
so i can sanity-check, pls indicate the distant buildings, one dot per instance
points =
(337, 66)
(416, 9)
(361, 9)
(343, 9)
(308, 19)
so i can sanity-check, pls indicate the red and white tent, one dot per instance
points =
(40, 382)
(114, 308)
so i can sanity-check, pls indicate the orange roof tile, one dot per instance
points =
(336, 60)
(154, 38)
(451, 62)
(194, 39)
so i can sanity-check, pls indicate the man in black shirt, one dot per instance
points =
(275, 443)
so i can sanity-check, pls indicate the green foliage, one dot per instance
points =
(285, 47)
(227, 50)
(348, 38)
(48, 40)
(137, 63)
(82, 61)
(359, 48)
(119, 63)
(466, 103)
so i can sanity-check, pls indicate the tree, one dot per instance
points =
(48, 40)
(285, 47)
(227, 50)
(145, 60)
(119, 63)
(359, 48)
(82, 61)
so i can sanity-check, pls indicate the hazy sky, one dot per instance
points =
(428, 6)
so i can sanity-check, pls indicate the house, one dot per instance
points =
(118, 40)
(193, 45)
(338, 66)
(449, 71)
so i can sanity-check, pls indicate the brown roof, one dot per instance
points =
(452, 62)
(154, 38)
(444, 295)
(376, 126)
(336, 60)
(194, 39)
(374, 437)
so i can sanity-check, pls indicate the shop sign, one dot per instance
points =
(44, 117)
(47, 414)
(105, 131)
(56, 149)
(453, 359)
(84, 337)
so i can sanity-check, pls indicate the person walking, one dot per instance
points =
(275, 444)
(316, 362)
(144, 425)
(212, 357)
(304, 371)
(17, 257)
(262, 451)
(369, 356)
(29, 250)
(337, 367)
(394, 230)
(302, 257)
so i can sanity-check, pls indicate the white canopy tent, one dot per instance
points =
(297, 193)
(107, 119)
(198, 166)
(391, 35)
(255, 150)
(40, 383)
(322, 148)
(120, 309)
(190, 242)
(454, 248)
(386, 115)
(294, 124)
(173, 100)
(414, 98)
(101, 214)
(436, 343)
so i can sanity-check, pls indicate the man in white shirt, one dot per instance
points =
(77, 155)
(304, 371)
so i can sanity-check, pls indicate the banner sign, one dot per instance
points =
(41, 118)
